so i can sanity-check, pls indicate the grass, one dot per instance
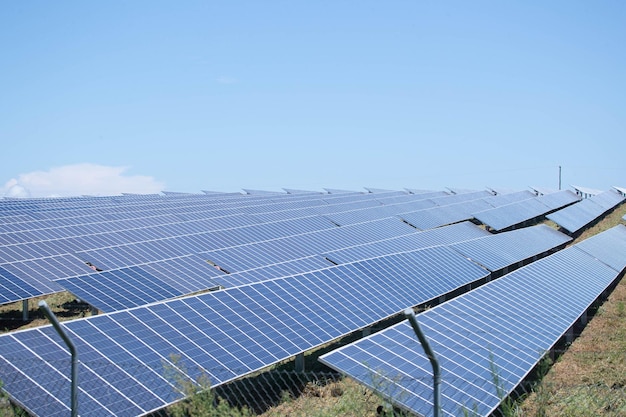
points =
(60, 303)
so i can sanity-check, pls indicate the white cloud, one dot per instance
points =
(81, 179)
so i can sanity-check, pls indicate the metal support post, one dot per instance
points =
(43, 306)
(24, 310)
(410, 315)
(300, 362)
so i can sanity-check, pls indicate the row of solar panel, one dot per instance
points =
(15, 253)
(575, 217)
(151, 246)
(112, 290)
(183, 203)
(169, 224)
(489, 339)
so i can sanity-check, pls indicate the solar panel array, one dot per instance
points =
(47, 242)
(135, 286)
(53, 238)
(295, 268)
(504, 217)
(228, 333)
(575, 217)
(486, 335)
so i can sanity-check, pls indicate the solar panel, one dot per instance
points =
(513, 214)
(504, 199)
(608, 199)
(277, 270)
(609, 247)
(13, 288)
(434, 237)
(360, 215)
(559, 199)
(586, 190)
(495, 333)
(443, 215)
(112, 290)
(427, 193)
(134, 286)
(500, 251)
(294, 191)
(573, 218)
(458, 198)
(226, 334)
(35, 251)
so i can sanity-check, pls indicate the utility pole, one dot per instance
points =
(559, 177)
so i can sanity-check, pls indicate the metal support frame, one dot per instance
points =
(43, 306)
(410, 315)
(24, 310)
(300, 362)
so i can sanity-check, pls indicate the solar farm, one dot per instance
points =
(225, 286)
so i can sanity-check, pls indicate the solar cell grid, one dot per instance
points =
(573, 218)
(509, 215)
(609, 199)
(503, 250)
(558, 199)
(458, 198)
(443, 215)
(413, 241)
(277, 270)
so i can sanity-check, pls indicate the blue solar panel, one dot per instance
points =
(506, 249)
(573, 218)
(414, 241)
(609, 247)
(111, 290)
(138, 285)
(360, 215)
(227, 334)
(440, 216)
(508, 198)
(277, 270)
(513, 214)
(559, 199)
(498, 331)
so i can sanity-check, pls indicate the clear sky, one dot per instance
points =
(104, 97)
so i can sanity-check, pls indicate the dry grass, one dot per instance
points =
(342, 398)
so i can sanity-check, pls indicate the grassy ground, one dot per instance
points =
(60, 303)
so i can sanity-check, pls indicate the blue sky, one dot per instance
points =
(143, 96)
